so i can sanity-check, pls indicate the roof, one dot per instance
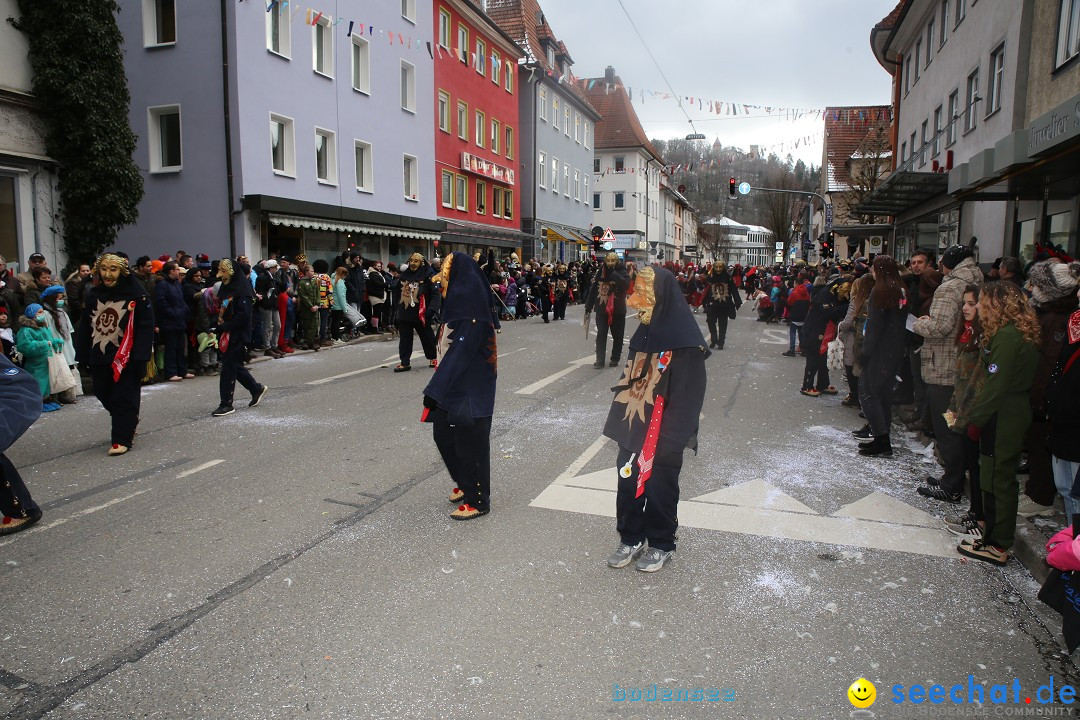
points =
(846, 129)
(525, 21)
(883, 32)
(620, 127)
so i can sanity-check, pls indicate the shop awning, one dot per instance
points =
(902, 191)
(564, 233)
(478, 234)
(299, 221)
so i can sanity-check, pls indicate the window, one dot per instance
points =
(462, 120)
(408, 87)
(620, 201)
(923, 137)
(944, 21)
(461, 192)
(496, 202)
(365, 171)
(481, 56)
(929, 42)
(954, 115)
(282, 145)
(361, 64)
(444, 28)
(496, 131)
(937, 130)
(997, 75)
(508, 204)
(508, 81)
(551, 56)
(972, 97)
(412, 182)
(577, 185)
(278, 31)
(496, 69)
(164, 140)
(541, 167)
(159, 22)
(325, 156)
(509, 143)
(961, 11)
(596, 201)
(566, 179)
(566, 120)
(481, 196)
(322, 47)
(587, 140)
(1068, 35)
(912, 146)
(907, 74)
(596, 165)
(481, 128)
(577, 127)
(444, 111)
(543, 104)
(585, 182)
(555, 113)
(620, 163)
(463, 43)
(554, 175)
(446, 189)
(918, 58)
(903, 151)
(408, 10)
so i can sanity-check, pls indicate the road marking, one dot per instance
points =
(544, 382)
(777, 337)
(199, 468)
(361, 371)
(757, 508)
(74, 516)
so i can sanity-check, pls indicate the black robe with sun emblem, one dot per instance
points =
(105, 319)
(468, 360)
(667, 359)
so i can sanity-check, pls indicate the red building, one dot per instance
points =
(477, 157)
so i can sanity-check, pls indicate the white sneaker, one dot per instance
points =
(624, 554)
(653, 559)
(1029, 508)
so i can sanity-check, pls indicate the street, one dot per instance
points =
(297, 559)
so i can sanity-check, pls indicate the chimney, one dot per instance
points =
(609, 75)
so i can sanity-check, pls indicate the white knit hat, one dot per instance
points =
(1051, 280)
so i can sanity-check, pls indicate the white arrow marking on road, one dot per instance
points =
(777, 337)
(199, 468)
(540, 384)
(75, 516)
(415, 356)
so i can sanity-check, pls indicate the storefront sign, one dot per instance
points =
(486, 168)
(1055, 127)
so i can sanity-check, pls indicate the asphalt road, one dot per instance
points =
(297, 559)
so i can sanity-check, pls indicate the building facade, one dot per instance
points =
(29, 198)
(477, 132)
(675, 209)
(738, 244)
(626, 172)
(282, 129)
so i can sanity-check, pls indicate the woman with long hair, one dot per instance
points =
(1000, 414)
(883, 346)
(850, 329)
(970, 376)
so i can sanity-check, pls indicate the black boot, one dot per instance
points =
(880, 447)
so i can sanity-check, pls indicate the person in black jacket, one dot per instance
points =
(233, 332)
(116, 340)
(883, 346)
(1063, 412)
(266, 303)
(412, 312)
(607, 297)
(721, 302)
(171, 313)
(653, 417)
(825, 309)
(20, 406)
(460, 397)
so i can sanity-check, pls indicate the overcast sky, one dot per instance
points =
(779, 53)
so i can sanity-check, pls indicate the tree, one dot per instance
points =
(781, 210)
(79, 80)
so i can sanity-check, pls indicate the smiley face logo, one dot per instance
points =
(862, 693)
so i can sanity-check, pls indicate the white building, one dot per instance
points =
(738, 244)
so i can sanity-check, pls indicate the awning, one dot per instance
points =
(476, 233)
(902, 191)
(565, 233)
(298, 221)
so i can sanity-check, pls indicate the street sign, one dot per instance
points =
(744, 188)
(607, 246)
(608, 236)
(828, 217)
(779, 244)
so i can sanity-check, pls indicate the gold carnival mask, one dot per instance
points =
(225, 271)
(111, 267)
(415, 260)
(611, 259)
(643, 298)
(444, 274)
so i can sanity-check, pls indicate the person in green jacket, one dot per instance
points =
(307, 307)
(36, 344)
(1000, 414)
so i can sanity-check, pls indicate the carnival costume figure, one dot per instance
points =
(721, 301)
(607, 297)
(412, 311)
(234, 332)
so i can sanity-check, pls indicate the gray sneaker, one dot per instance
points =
(624, 554)
(653, 559)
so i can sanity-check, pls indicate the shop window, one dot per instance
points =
(1068, 35)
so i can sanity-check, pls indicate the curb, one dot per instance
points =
(1029, 549)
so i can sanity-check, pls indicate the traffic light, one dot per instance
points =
(827, 246)
(731, 187)
(597, 233)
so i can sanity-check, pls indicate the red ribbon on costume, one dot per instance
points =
(610, 308)
(120, 359)
(223, 342)
(648, 450)
(423, 310)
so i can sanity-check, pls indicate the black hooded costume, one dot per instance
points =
(460, 398)
(234, 332)
(654, 416)
(607, 298)
(413, 309)
(721, 302)
(116, 339)
(20, 406)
